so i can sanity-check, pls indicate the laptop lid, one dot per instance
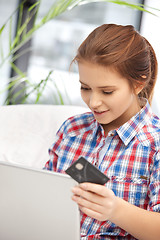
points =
(36, 205)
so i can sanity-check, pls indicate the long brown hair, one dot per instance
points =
(125, 49)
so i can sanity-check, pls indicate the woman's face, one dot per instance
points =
(108, 95)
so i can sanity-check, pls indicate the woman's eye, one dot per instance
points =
(109, 92)
(84, 88)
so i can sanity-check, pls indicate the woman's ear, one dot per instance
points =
(138, 87)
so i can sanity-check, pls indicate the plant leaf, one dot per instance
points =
(33, 6)
(140, 7)
(10, 33)
(43, 87)
(17, 70)
(59, 94)
(2, 28)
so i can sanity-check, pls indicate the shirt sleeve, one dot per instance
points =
(154, 186)
(51, 164)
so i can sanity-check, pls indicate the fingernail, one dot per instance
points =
(83, 185)
(74, 190)
(74, 198)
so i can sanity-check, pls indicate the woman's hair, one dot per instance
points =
(123, 48)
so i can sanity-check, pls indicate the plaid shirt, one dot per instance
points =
(129, 156)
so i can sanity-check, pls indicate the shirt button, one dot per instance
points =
(111, 134)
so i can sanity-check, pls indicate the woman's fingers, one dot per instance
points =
(95, 200)
(84, 203)
(92, 213)
(88, 195)
(95, 189)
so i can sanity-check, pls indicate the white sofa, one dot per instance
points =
(27, 131)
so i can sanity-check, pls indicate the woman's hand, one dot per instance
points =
(100, 203)
(95, 200)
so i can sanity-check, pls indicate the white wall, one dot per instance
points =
(151, 30)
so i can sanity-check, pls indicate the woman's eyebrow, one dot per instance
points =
(83, 83)
(98, 87)
(108, 87)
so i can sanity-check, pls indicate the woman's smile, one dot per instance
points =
(99, 113)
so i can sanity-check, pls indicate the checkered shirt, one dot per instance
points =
(131, 160)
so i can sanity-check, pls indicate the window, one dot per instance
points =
(55, 44)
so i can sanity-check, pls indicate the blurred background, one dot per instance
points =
(42, 66)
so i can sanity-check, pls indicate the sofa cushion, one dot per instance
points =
(27, 131)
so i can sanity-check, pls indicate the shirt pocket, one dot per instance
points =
(131, 189)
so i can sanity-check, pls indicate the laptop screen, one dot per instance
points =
(36, 204)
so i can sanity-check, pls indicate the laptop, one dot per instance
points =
(36, 205)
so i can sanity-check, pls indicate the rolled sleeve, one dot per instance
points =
(51, 164)
(154, 186)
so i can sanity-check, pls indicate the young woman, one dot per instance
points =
(121, 136)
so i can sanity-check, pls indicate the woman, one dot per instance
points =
(121, 136)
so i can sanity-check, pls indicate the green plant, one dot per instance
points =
(23, 36)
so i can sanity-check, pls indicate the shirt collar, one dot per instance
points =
(129, 129)
(98, 127)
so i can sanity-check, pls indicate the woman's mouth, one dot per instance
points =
(100, 113)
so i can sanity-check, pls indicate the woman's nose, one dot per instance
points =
(95, 100)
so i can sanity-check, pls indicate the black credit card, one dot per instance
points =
(83, 171)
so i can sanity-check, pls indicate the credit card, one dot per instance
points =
(84, 171)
